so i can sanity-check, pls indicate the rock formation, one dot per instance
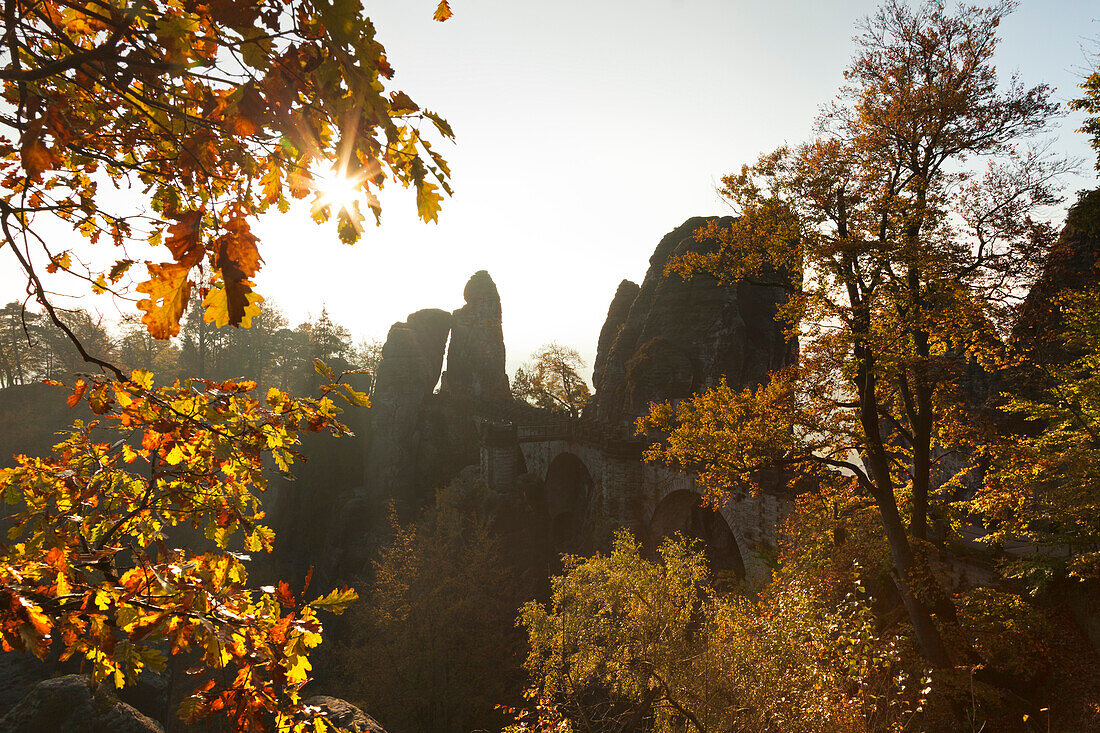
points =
(475, 360)
(69, 704)
(616, 319)
(417, 440)
(1073, 264)
(412, 358)
(343, 714)
(681, 336)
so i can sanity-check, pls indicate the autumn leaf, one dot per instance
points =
(299, 181)
(401, 103)
(443, 12)
(169, 290)
(237, 259)
(359, 399)
(337, 601)
(428, 201)
(60, 261)
(185, 236)
(237, 249)
(272, 182)
(78, 392)
(37, 158)
(143, 378)
(217, 305)
(283, 594)
(119, 269)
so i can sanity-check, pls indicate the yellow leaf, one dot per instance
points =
(428, 201)
(63, 586)
(216, 303)
(175, 455)
(142, 378)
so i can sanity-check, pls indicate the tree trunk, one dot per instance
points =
(924, 628)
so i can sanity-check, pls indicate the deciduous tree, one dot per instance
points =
(908, 258)
(89, 571)
(551, 380)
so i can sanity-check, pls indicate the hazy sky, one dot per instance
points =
(585, 132)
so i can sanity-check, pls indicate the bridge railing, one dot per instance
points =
(575, 430)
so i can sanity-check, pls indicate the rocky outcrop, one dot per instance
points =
(616, 319)
(344, 715)
(475, 359)
(69, 704)
(1073, 264)
(681, 336)
(412, 359)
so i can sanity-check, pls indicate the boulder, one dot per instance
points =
(344, 715)
(69, 705)
(682, 336)
(475, 359)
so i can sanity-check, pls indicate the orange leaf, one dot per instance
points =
(299, 180)
(37, 158)
(168, 290)
(39, 620)
(185, 236)
(283, 594)
(78, 392)
(237, 248)
(443, 11)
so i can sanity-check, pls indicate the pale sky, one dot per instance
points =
(586, 131)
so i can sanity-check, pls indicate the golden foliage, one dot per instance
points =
(213, 111)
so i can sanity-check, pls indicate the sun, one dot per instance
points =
(338, 191)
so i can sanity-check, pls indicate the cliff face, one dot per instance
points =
(678, 337)
(617, 314)
(1073, 264)
(412, 359)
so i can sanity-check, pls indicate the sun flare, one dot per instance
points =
(338, 191)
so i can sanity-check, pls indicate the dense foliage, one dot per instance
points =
(432, 644)
(1043, 490)
(629, 644)
(216, 112)
(204, 116)
(91, 570)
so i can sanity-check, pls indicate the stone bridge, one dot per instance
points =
(594, 476)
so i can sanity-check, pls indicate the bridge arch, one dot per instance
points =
(569, 489)
(683, 511)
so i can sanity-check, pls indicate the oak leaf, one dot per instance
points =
(428, 201)
(37, 158)
(185, 236)
(169, 290)
(237, 249)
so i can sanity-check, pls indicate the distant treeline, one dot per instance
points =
(270, 351)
